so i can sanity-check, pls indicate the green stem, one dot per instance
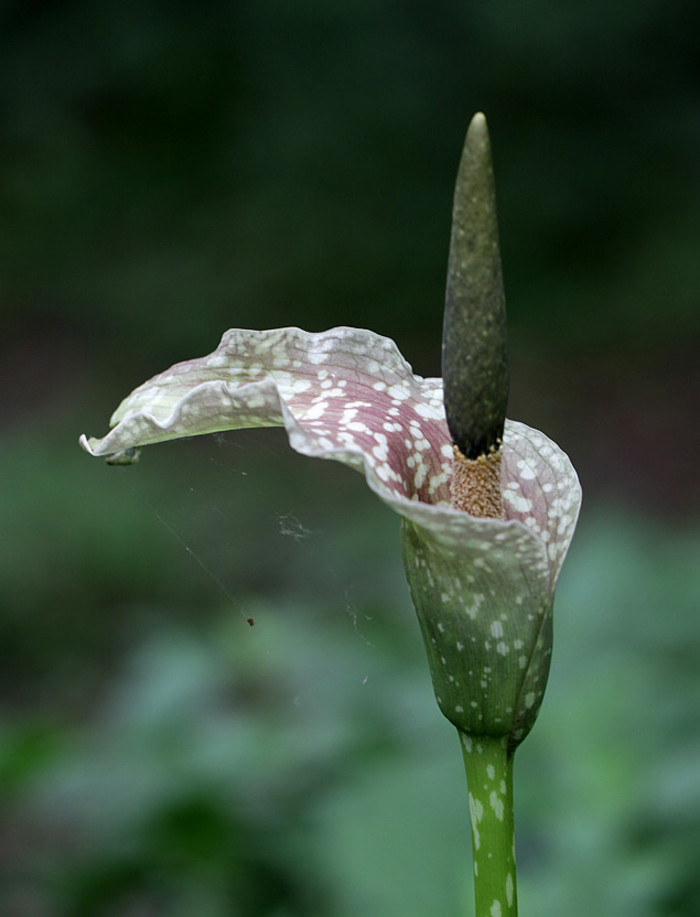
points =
(489, 768)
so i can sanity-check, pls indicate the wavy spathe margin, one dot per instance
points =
(482, 588)
(348, 394)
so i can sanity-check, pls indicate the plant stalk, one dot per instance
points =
(489, 768)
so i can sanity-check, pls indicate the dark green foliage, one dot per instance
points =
(272, 164)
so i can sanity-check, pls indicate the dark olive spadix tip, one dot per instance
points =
(474, 348)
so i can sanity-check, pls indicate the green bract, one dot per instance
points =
(483, 588)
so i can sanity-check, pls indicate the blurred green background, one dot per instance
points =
(169, 170)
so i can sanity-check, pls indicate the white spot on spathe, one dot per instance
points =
(497, 629)
(502, 648)
(491, 771)
(399, 392)
(428, 411)
(495, 910)
(318, 410)
(519, 503)
(347, 415)
(529, 699)
(358, 426)
(474, 608)
(527, 472)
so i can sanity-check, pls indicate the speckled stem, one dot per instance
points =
(489, 768)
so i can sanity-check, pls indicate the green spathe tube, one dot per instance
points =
(474, 342)
(486, 621)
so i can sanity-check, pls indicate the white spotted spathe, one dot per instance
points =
(347, 394)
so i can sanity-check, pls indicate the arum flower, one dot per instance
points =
(482, 579)
(347, 394)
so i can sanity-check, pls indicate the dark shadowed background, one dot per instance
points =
(172, 169)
